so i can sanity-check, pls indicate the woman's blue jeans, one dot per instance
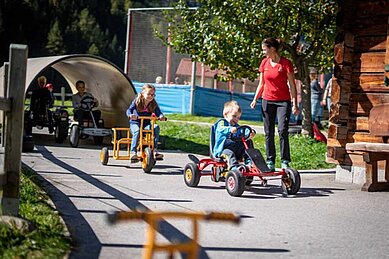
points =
(134, 128)
(315, 108)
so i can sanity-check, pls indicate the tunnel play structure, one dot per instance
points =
(103, 79)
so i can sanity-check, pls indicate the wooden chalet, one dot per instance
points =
(359, 118)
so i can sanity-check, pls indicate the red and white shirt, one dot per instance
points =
(276, 79)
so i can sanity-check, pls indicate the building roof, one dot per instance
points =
(185, 69)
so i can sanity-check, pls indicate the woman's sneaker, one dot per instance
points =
(285, 164)
(271, 165)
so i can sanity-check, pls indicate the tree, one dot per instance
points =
(227, 35)
(55, 41)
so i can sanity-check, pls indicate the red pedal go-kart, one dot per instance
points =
(238, 178)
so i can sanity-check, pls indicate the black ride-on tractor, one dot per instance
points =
(89, 126)
(57, 122)
(243, 175)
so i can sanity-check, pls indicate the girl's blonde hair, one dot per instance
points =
(231, 106)
(141, 102)
(42, 80)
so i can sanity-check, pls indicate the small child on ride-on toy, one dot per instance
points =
(225, 146)
(41, 102)
(231, 142)
(82, 113)
(144, 105)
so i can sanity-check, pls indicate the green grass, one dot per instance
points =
(48, 239)
(210, 119)
(57, 103)
(306, 153)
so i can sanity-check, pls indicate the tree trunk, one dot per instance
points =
(303, 74)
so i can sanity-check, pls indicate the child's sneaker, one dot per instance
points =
(134, 158)
(285, 164)
(158, 156)
(237, 167)
(271, 165)
(247, 161)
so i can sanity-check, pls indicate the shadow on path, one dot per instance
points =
(86, 243)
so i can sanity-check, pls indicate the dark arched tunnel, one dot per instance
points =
(103, 79)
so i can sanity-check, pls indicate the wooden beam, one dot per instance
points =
(337, 131)
(368, 82)
(369, 62)
(339, 113)
(368, 9)
(360, 123)
(9, 185)
(370, 43)
(386, 73)
(5, 104)
(354, 137)
(336, 153)
(362, 103)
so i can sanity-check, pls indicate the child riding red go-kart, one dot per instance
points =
(238, 177)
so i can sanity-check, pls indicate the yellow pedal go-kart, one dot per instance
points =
(121, 143)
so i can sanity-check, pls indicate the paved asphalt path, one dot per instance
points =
(325, 219)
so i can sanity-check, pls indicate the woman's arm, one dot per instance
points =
(293, 92)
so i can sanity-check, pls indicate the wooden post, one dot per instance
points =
(192, 88)
(9, 192)
(63, 94)
(168, 58)
(3, 93)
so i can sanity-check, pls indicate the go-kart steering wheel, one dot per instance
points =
(243, 131)
(87, 103)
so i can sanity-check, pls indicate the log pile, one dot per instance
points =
(360, 54)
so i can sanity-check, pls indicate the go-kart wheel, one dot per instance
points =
(60, 133)
(104, 156)
(28, 144)
(74, 137)
(191, 175)
(235, 183)
(249, 180)
(291, 181)
(148, 160)
(98, 140)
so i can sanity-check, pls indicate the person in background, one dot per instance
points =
(327, 95)
(177, 81)
(41, 101)
(276, 73)
(79, 113)
(144, 105)
(316, 97)
(158, 80)
(50, 87)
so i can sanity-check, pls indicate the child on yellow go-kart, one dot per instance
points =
(144, 105)
(225, 146)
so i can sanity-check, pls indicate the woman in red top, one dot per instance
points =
(275, 74)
